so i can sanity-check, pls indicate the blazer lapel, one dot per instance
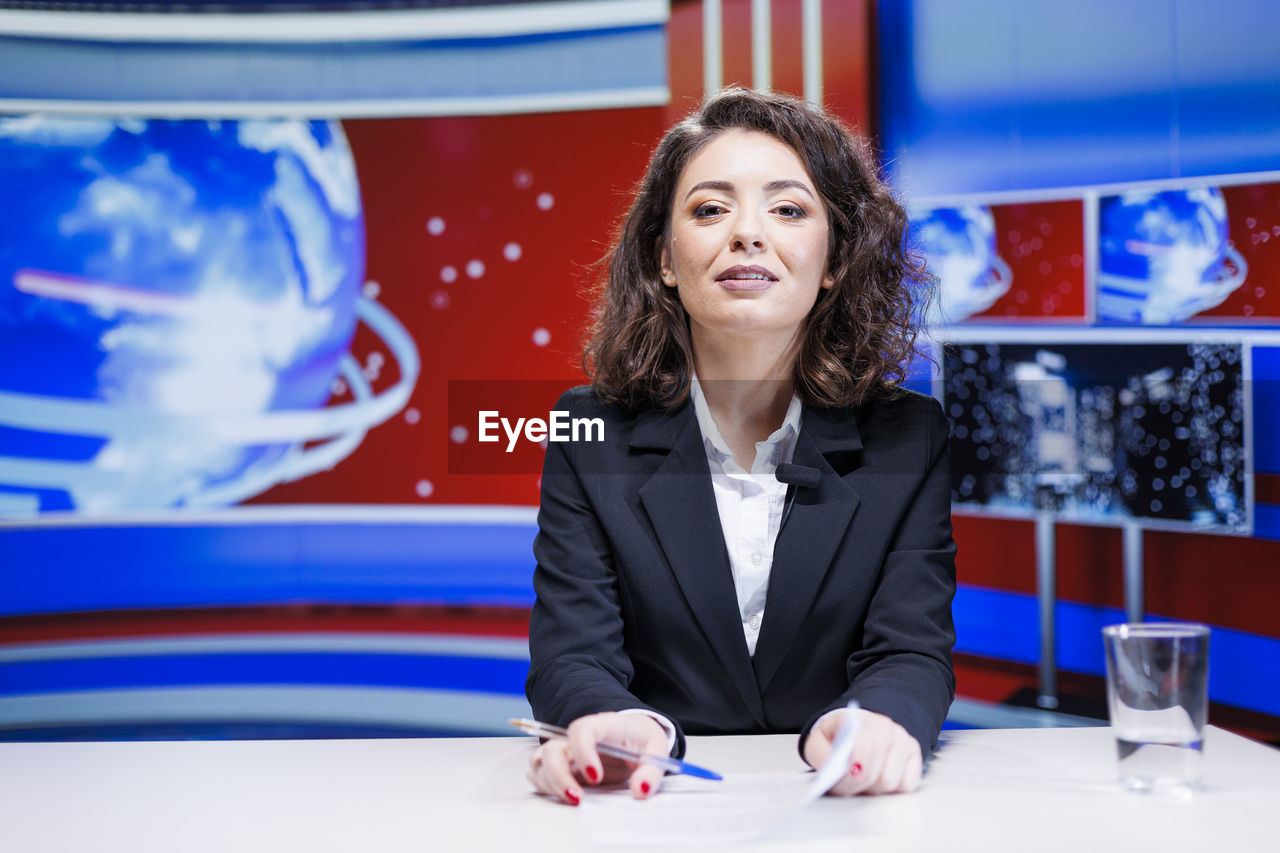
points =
(681, 505)
(810, 536)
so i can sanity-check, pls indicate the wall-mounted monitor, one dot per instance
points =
(1154, 433)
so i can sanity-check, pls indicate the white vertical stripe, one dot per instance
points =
(1090, 204)
(1250, 456)
(712, 48)
(811, 33)
(761, 44)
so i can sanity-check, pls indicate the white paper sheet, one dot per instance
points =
(695, 812)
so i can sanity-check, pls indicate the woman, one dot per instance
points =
(756, 311)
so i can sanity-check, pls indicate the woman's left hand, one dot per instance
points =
(885, 760)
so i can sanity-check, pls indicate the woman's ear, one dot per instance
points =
(664, 266)
(828, 282)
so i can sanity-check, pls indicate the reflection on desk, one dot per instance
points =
(1007, 789)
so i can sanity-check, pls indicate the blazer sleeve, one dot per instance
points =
(903, 669)
(578, 663)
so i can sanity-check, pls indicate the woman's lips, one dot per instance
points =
(745, 283)
(747, 277)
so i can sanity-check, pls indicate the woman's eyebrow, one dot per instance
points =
(722, 186)
(788, 184)
(771, 187)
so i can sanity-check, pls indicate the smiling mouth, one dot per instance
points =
(746, 278)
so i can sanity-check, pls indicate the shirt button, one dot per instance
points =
(755, 558)
(755, 622)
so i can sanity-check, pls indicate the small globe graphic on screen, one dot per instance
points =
(1164, 256)
(164, 286)
(959, 245)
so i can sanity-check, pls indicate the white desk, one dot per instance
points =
(1012, 789)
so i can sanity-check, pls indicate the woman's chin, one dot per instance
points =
(753, 325)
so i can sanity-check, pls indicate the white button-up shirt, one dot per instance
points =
(751, 504)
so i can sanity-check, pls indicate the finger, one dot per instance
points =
(846, 787)
(645, 781)
(584, 732)
(554, 777)
(818, 751)
(894, 768)
(865, 765)
(915, 769)
(657, 743)
(535, 766)
(636, 731)
(818, 745)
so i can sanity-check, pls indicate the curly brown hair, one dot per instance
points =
(860, 333)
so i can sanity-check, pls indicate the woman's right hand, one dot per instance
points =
(561, 766)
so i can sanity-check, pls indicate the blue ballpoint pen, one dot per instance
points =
(671, 765)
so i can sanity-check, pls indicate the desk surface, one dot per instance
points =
(1011, 789)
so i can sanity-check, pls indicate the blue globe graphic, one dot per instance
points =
(1164, 256)
(1142, 230)
(173, 272)
(959, 245)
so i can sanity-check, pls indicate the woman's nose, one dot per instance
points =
(748, 236)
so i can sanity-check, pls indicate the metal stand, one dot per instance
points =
(1134, 606)
(1046, 595)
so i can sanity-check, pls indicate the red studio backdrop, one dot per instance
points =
(481, 231)
(481, 235)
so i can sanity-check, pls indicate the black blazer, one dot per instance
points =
(636, 606)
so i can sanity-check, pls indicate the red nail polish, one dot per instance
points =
(644, 788)
(593, 774)
(571, 797)
(856, 771)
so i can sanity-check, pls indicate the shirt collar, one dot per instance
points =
(714, 441)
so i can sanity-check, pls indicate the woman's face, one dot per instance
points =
(748, 246)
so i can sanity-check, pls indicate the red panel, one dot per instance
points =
(1266, 488)
(1043, 244)
(788, 57)
(1253, 213)
(736, 20)
(1225, 580)
(846, 61)
(995, 553)
(999, 553)
(684, 58)
(1090, 564)
(470, 621)
(990, 680)
(526, 204)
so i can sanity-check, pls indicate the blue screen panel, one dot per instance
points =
(86, 569)
(997, 95)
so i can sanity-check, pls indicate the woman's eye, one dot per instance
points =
(708, 209)
(789, 211)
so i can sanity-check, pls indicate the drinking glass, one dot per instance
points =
(1158, 699)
